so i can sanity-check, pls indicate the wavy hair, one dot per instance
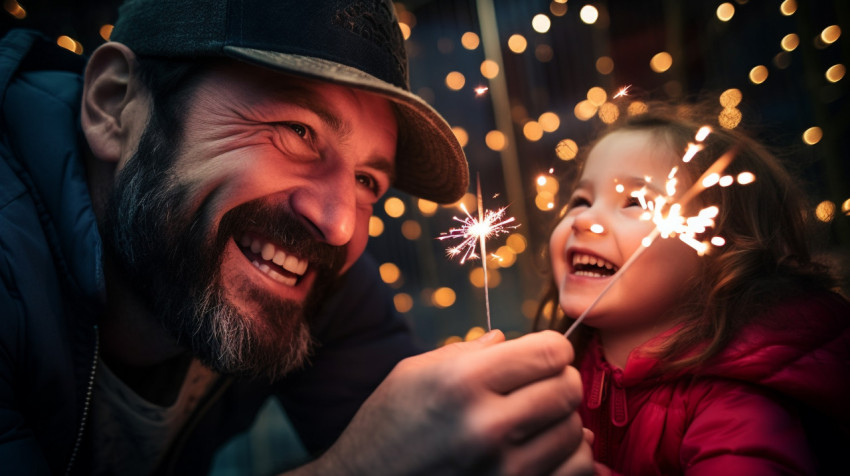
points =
(765, 225)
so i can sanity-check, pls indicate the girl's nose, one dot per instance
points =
(589, 221)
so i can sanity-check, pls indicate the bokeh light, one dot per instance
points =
(725, 11)
(825, 211)
(496, 140)
(661, 62)
(812, 135)
(517, 43)
(455, 80)
(758, 74)
(589, 14)
(541, 23)
(376, 226)
(394, 207)
(389, 273)
(566, 149)
(470, 40)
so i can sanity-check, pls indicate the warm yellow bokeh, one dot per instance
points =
(549, 121)
(411, 229)
(567, 149)
(376, 226)
(470, 40)
(758, 74)
(455, 80)
(661, 62)
(403, 302)
(790, 42)
(426, 207)
(394, 207)
(541, 23)
(605, 65)
(517, 43)
(443, 297)
(489, 69)
(496, 140)
(825, 211)
(725, 11)
(812, 135)
(389, 273)
(517, 242)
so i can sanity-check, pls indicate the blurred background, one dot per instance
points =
(526, 83)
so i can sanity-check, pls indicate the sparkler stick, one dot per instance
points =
(672, 223)
(476, 231)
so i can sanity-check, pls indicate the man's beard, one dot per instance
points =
(172, 257)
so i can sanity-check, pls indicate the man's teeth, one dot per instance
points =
(270, 253)
(593, 266)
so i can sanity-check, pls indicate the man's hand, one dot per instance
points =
(482, 407)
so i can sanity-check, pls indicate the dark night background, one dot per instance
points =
(553, 75)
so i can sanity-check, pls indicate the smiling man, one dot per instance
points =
(183, 219)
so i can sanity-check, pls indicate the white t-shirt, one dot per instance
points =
(129, 433)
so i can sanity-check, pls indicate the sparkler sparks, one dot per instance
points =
(474, 232)
(665, 212)
(481, 90)
(624, 91)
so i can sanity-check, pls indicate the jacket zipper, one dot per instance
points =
(86, 404)
(172, 454)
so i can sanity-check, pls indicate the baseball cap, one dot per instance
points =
(356, 43)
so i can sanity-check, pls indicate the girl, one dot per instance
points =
(737, 362)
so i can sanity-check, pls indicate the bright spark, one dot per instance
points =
(481, 90)
(473, 230)
(624, 91)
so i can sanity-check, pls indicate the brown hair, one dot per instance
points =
(765, 225)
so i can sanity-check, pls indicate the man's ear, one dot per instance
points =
(114, 105)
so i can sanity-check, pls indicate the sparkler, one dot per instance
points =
(474, 233)
(669, 221)
(481, 90)
(624, 91)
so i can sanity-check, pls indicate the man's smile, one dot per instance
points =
(272, 260)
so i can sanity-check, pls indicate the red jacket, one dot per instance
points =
(775, 401)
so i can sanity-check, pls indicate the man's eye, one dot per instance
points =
(369, 182)
(298, 128)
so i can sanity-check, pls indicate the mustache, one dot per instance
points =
(278, 223)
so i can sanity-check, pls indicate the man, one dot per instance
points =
(181, 235)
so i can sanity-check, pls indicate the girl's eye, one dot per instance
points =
(633, 202)
(578, 201)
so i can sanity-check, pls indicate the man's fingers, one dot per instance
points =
(551, 449)
(534, 407)
(579, 464)
(518, 362)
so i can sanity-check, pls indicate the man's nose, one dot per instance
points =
(328, 205)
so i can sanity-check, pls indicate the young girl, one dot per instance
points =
(736, 362)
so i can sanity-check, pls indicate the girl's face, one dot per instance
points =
(602, 229)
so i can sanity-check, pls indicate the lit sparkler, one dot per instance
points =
(481, 90)
(624, 91)
(474, 232)
(668, 220)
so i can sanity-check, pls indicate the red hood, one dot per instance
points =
(800, 348)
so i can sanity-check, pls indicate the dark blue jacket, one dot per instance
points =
(52, 295)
